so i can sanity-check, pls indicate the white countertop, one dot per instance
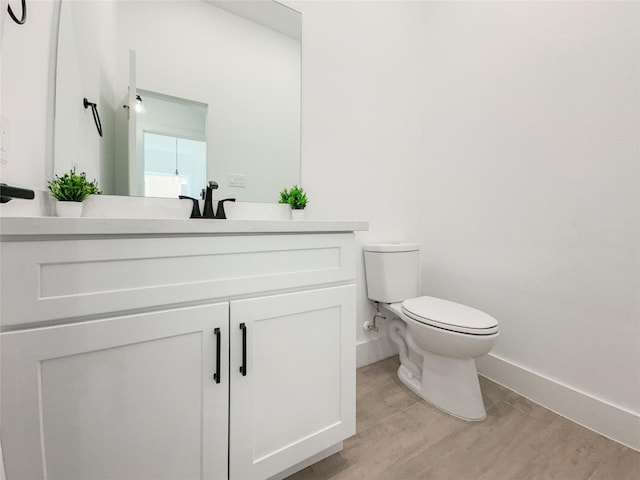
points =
(13, 227)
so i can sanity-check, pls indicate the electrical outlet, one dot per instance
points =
(237, 180)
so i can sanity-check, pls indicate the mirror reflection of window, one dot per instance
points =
(173, 166)
(171, 137)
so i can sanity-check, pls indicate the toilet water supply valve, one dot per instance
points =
(371, 326)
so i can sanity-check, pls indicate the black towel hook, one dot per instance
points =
(96, 116)
(24, 13)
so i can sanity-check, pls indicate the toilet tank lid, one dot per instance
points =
(391, 247)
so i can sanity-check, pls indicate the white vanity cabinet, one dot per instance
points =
(119, 398)
(111, 344)
(292, 393)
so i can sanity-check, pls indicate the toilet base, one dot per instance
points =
(450, 384)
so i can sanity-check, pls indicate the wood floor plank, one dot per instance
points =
(401, 437)
(492, 393)
(620, 464)
(479, 451)
(382, 402)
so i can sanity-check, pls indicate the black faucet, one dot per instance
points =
(208, 200)
(208, 204)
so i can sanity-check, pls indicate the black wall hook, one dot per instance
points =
(24, 13)
(96, 116)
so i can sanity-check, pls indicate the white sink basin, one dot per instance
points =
(257, 211)
(112, 206)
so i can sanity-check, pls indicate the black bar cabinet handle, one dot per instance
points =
(216, 376)
(243, 367)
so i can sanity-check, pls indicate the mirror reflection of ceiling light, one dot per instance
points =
(176, 177)
(139, 105)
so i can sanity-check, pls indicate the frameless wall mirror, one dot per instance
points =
(207, 89)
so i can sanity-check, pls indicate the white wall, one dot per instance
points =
(532, 200)
(362, 141)
(532, 207)
(503, 136)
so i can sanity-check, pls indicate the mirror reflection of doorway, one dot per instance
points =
(173, 166)
(171, 145)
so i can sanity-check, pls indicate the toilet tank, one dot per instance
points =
(392, 271)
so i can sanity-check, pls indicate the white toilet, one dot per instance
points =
(438, 340)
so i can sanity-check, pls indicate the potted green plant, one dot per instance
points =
(297, 199)
(70, 190)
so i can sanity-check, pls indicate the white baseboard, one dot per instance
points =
(602, 417)
(375, 349)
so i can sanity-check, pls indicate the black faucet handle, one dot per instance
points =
(195, 210)
(210, 186)
(207, 212)
(7, 192)
(220, 213)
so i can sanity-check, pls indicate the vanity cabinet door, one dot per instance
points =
(126, 397)
(296, 396)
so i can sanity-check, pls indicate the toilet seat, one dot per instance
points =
(447, 315)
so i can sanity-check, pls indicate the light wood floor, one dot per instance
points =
(401, 437)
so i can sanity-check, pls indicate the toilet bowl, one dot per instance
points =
(438, 340)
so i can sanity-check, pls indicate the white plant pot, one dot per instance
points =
(297, 214)
(68, 209)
